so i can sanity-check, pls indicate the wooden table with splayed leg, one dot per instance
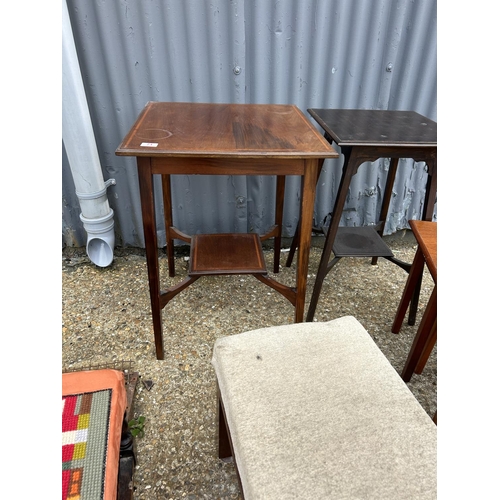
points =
(223, 139)
(425, 233)
(365, 135)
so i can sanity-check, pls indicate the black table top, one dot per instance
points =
(374, 127)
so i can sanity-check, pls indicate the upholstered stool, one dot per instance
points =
(315, 410)
(98, 456)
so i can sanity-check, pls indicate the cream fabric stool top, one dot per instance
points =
(316, 411)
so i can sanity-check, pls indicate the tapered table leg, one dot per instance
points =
(280, 200)
(306, 217)
(151, 242)
(167, 208)
(296, 236)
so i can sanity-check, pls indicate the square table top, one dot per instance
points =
(374, 127)
(224, 130)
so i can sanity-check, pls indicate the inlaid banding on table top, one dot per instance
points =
(225, 130)
(154, 134)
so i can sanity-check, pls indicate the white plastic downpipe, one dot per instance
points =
(81, 148)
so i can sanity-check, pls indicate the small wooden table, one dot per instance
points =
(366, 136)
(426, 235)
(223, 139)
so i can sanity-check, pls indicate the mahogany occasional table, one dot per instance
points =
(366, 136)
(426, 235)
(223, 139)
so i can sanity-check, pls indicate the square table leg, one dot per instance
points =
(280, 201)
(151, 242)
(305, 232)
(167, 209)
(296, 236)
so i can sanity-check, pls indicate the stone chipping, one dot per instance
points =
(106, 319)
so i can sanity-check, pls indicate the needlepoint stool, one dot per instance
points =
(98, 454)
(315, 410)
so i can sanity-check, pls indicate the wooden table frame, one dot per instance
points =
(426, 235)
(223, 139)
(375, 134)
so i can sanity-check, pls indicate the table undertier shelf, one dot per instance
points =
(226, 253)
(360, 242)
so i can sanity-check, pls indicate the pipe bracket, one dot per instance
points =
(97, 194)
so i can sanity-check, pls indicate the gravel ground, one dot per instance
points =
(106, 318)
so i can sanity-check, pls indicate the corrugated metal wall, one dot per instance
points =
(370, 54)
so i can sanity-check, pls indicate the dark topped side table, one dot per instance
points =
(365, 136)
(223, 139)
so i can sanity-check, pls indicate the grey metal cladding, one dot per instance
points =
(373, 54)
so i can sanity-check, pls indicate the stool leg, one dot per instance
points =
(425, 330)
(224, 442)
(225, 446)
(127, 447)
